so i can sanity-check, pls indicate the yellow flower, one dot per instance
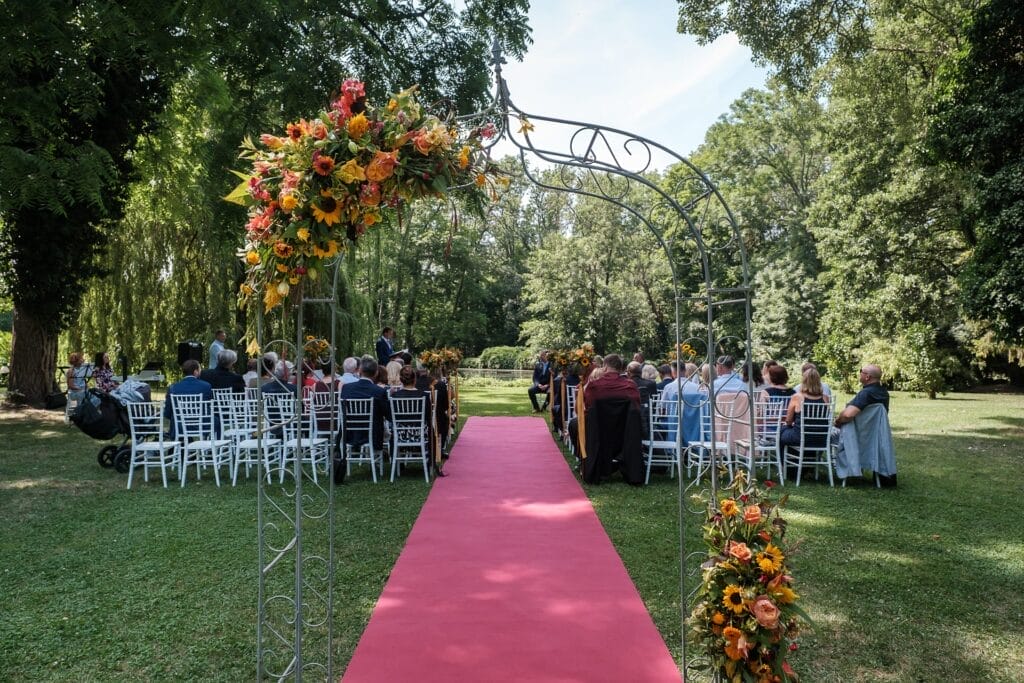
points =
(253, 348)
(718, 618)
(294, 279)
(524, 125)
(371, 218)
(303, 234)
(252, 258)
(326, 210)
(281, 268)
(784, 594)
(289, 202)
(480, 179)
(270, 299)
(729, 508)
(771, 558)
(732, 598)
(351, 172)
(392, 104)
(325, 252)
(283, 249)
(357, 126)
(464, 157)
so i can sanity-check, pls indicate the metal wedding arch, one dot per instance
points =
(712, 293)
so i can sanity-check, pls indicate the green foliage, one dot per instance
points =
(974, 128)
(507, 358)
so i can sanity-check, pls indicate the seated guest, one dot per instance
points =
(367, 388)
(252, 374)
(327, 377)
(824, 387)
(871, 392)
(189, 384)
(646, 387)
(381, 379)
(566, 382)
(407, 379)
(275, 376)
(810, 392)
(755, 371)
(665, 375)
(778, 384)
(350, 370)
(649, 372)
(611, 383)
(727, 380)
(865, 438)
(613, 425)
(687, 385)
(705, 377)
(393, 368)
(77, 376)
(102, 373)
(541, 378)
(224, 376)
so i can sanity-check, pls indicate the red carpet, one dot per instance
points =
(509, 576)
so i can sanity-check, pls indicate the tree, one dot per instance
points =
(84, 82)
(975, 128)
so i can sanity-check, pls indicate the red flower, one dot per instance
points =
(323, 165)
(769, 483)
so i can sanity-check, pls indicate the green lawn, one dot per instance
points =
(921, 583)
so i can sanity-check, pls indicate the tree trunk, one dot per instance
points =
(33, 357)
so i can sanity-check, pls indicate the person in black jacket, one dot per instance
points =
(224, 376)
(541, 380)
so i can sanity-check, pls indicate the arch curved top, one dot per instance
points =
(683, 208)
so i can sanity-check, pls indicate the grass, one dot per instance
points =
(921, 583)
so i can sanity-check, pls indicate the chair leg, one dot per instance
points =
(131, 470)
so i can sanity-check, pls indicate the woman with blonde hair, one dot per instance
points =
(810, 392)
(394, 380)
(77, 376)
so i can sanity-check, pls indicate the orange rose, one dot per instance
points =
(422, 144)
(765, 611)
(740, 551)
(752, 514)
(382, 166)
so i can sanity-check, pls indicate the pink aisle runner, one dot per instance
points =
(509, 576)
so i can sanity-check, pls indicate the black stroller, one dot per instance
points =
(102, 416)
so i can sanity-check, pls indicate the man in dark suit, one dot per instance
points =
(189, 384)
(384, 347)
(646, 387)
(365, 388)
(541, 380)
(223, 376)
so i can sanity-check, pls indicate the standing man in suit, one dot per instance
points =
(541, 379)
(189, 384)
(384, 348)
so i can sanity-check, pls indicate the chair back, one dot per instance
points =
(816, 425)
(769, 416)
(145, 420)
(570, 402)
(408, 418)
(662, 422)
(279, 409)
(357, 420)
(324, 412)
(193, 417)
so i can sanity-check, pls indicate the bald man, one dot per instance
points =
(872, 392)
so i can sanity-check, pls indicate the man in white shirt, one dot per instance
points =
(350, 367)
(219, 337)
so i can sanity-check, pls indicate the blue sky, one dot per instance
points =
(622, 64)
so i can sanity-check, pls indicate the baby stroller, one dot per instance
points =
(103, 416)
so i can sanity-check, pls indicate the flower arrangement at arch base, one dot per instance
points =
(745, 619)
(316, 189)
(447, 359)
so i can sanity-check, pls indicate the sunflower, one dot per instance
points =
(327, 251)
(729, 508)
(770, 559)
(732, 598)
(327, 210)
(323, 165)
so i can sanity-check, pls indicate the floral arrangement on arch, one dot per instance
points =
(683, 352)
(559, 358)
(446, 358)
(321, 185)
(315, 346)
(745, 618)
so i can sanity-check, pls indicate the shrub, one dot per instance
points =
(507, 358)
